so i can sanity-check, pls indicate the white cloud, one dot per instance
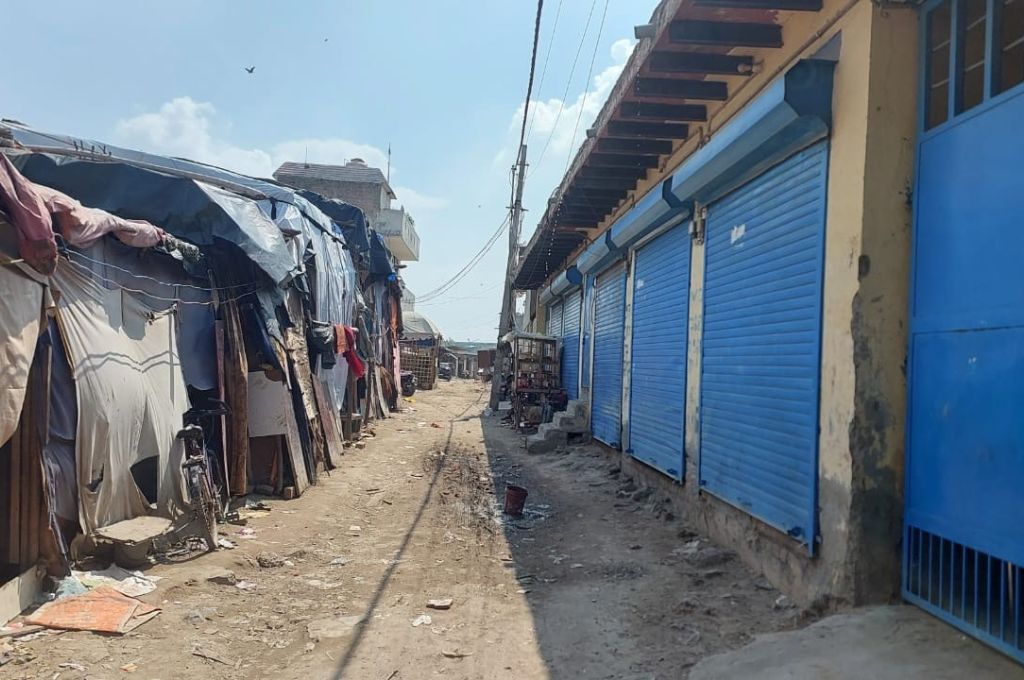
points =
(186, 128)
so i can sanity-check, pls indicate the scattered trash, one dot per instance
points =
(130, 583)
(635, 546)
(225, 543)
(310, 646)
(70, 586)
(435, 425)
(576, 566)
(421, 424)
(781, 602)
(422, 620)
(454, 654)
(18, 630)
(129, 668)
(515, 499)
(103, 610)
(269, 560)
(339, 561)
(199, 616)
(247, 532)
(415, 474)
(67, 665)
(334, 627)
(212, 654)
(355, 529)
(222, 577)
(246, 586)
(440, 603)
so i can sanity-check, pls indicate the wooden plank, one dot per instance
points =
(218, 332)
(329, 422)
(19, 593)
(236, 395)
(271, 413)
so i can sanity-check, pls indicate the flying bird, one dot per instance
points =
(250, 69)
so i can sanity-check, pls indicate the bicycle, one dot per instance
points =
(202, 497)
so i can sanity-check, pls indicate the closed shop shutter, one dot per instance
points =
(661, 289)
(761, 346)
(609, 330)
(555, 319)
(572, 307)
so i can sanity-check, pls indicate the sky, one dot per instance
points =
(442, 83)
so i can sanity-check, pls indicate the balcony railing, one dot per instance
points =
(399, 232)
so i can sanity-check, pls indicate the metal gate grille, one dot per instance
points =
(979, 590)
(609, 338)
(555, 320)
(571, 308)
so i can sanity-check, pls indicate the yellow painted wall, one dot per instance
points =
(864, 311)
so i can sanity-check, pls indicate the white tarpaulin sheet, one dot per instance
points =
(131, 397)
(21, 309)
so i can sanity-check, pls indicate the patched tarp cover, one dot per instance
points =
(131, 398)
(21, 311)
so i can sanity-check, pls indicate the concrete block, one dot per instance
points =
(547, 442)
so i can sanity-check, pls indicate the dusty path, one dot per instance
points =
(598, 580)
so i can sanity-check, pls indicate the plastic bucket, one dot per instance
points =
(515, 499)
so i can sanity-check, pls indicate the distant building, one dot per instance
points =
(364, 187)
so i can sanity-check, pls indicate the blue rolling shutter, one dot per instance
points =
(661, 290)
(555, 319)
(609, 336)
(572, 307)
(762, 336)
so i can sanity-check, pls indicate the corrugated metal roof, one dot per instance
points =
(350, 172)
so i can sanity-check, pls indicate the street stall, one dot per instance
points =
(531, 381)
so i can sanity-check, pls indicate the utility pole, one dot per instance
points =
(506, 322)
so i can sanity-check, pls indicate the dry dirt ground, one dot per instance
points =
(597, 580)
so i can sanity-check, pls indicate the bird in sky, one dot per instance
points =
(250, 69)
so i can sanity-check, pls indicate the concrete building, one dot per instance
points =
(364, 187)
(728, 261)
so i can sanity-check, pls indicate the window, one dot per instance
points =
(979, 42)
(972, 53)
(937, 96)
(1010, 37)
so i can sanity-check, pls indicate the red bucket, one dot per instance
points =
(515, 499)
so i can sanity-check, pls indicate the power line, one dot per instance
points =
(568, 84)
(544, 69)
(533, 68)
(459, 275)
(586, 89)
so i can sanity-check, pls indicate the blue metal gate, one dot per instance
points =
(572, 308)
(609, 336)
(762, 336)
(963, 544)
(555, 319)
(661, 291)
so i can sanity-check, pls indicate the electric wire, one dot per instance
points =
(459, 275)
(568, 84)
(544, 69)
(136, 275)
(586, 91)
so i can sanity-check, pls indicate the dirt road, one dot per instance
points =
(597, 580)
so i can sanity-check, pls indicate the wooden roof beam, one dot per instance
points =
(700, 62)
(663, 112)
(783, 5)
(611, 172)
(603, 183)
(652, 130)
(622, 160)
(633, 145)
(725, 33)
(668, 89)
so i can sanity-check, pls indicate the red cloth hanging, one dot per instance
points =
(355, 364)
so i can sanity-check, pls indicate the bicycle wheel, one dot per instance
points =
(204, 506)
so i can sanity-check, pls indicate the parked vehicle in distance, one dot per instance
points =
(444, 371)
